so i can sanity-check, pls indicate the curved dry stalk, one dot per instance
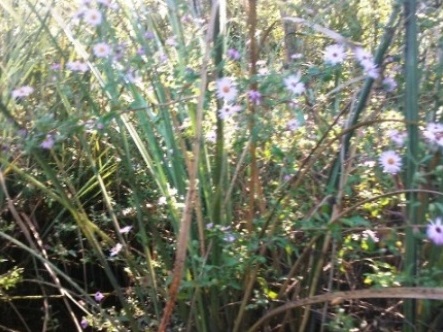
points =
(423, 293)
(371, 199)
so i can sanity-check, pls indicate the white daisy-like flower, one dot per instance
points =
(93, 17)
(226, 89)
(293, 124)
(334, 54)
(116, 249)
(22, 92)
(434, 231)
(369, 234)
(370, 69)
(102, 50)
(132, 77)
(171, 41)
(77, 66)
(294, 85)
(389, 84)
(390, 161)
(397, 137)
(125, 229)
(362, 55)
(434, 133)
(211, 136)
(296, 56)
(228, 110)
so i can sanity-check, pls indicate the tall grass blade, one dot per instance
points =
(411, 116)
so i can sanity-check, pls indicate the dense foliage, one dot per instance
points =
(221, 166)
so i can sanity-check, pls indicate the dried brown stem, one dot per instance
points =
(423, 293)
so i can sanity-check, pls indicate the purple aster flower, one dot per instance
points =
(149, 35)
(56, 66)
(229, 236)
(84, 323)
(140, 51)
(48, 143)
(254, 96)
(233, 54)
(98, 297)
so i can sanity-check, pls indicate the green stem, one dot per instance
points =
(365, 92)
(411, 115)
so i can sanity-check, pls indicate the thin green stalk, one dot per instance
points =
(365, 92)
(216, 192)
(411, 115)
(219, 158)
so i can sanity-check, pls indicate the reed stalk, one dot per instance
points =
(412, 155)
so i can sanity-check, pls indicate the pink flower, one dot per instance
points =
(434, 231)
